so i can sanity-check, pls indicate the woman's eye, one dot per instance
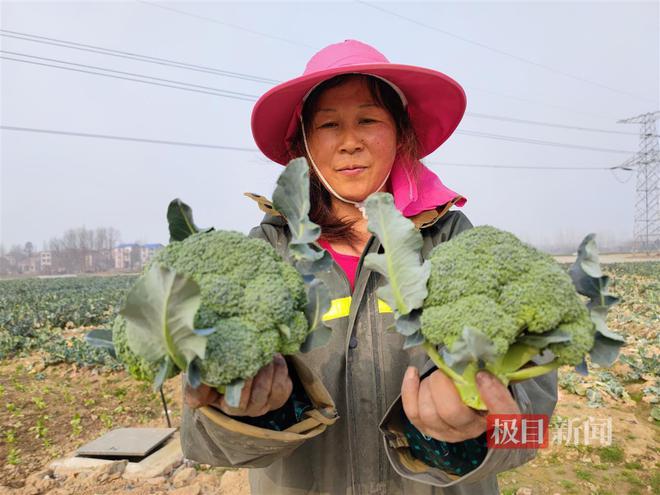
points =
(367, 121)
(327, 124)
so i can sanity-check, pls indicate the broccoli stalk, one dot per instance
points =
(486, 301)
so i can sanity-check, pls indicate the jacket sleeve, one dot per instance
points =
(535, 396)
(211, 437)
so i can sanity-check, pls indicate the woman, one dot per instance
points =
(363, 123)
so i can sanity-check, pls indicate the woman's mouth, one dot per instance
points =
(350, 171)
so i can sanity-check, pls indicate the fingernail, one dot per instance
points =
(484, 378)
(411, 373)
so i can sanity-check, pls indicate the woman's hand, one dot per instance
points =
(435, 408)
(268, 390)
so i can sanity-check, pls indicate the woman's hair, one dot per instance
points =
(332, 227)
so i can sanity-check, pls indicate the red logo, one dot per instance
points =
(517, 431)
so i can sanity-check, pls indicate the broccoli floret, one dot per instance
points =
(444, 324)
(237, 350)
(296, 333)
(252, 297)
(139, 368)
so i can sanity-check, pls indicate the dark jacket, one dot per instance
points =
(361, 367)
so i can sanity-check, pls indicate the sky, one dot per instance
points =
(569, 64)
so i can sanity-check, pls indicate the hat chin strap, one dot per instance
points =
(358, 204)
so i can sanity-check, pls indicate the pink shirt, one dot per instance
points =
(347, 262)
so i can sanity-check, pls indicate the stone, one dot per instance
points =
(183, 477)
(110, 471)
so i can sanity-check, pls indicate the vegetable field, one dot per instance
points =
(56, 393)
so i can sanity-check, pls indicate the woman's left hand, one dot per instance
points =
(435, 408)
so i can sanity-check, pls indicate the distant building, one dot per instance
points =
(129, 257)
(45, 259)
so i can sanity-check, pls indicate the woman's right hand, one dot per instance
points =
(268, 390)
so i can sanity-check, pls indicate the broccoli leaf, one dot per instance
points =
(164, 372)
(401, 264)
(589, 281)
(159, 312)
(194, 374)
(472, 346)
(291, 198)
(101, 338)
(542, 340)
(180, 220)
(409, 324)
(318, 303)
(607, 343)
(587, 275)
(413, 340)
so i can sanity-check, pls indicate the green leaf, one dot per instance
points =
(310, 267)
(401, 264)
(542, 340)
(587, 275)
(194, 374)
(159, 312)
(409, 324)
(291, 198)
(413, 340)
(180, 220)
(472, 346)
(589, 281)
(101, 338)
(165, 371)
(318, 304)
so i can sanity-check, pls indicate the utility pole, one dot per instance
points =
(646, 229)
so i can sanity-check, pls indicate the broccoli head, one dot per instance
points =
(253, 299)
(491, 281)
(486, 300)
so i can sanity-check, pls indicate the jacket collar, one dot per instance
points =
(421, 220)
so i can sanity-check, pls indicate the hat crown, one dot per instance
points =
(347, 53)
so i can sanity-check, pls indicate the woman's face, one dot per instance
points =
(352, 141)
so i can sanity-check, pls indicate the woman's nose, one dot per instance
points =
(351, 141)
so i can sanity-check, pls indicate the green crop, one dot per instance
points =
(219, 304)
(486, 300)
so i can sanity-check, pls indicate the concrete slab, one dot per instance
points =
(160, 463)
(126, 442)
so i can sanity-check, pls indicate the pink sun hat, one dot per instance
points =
(435, 102)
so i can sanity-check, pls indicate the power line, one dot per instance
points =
(538, 141)
(222, 91)
(505, 53)
(125, 138)
(250, 77)
(522, 167)
(247, 97)
(236, 148)
(132, 56)
(548, 124)
(182, 87)
(216, 21)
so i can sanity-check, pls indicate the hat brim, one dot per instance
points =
(436, 104)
